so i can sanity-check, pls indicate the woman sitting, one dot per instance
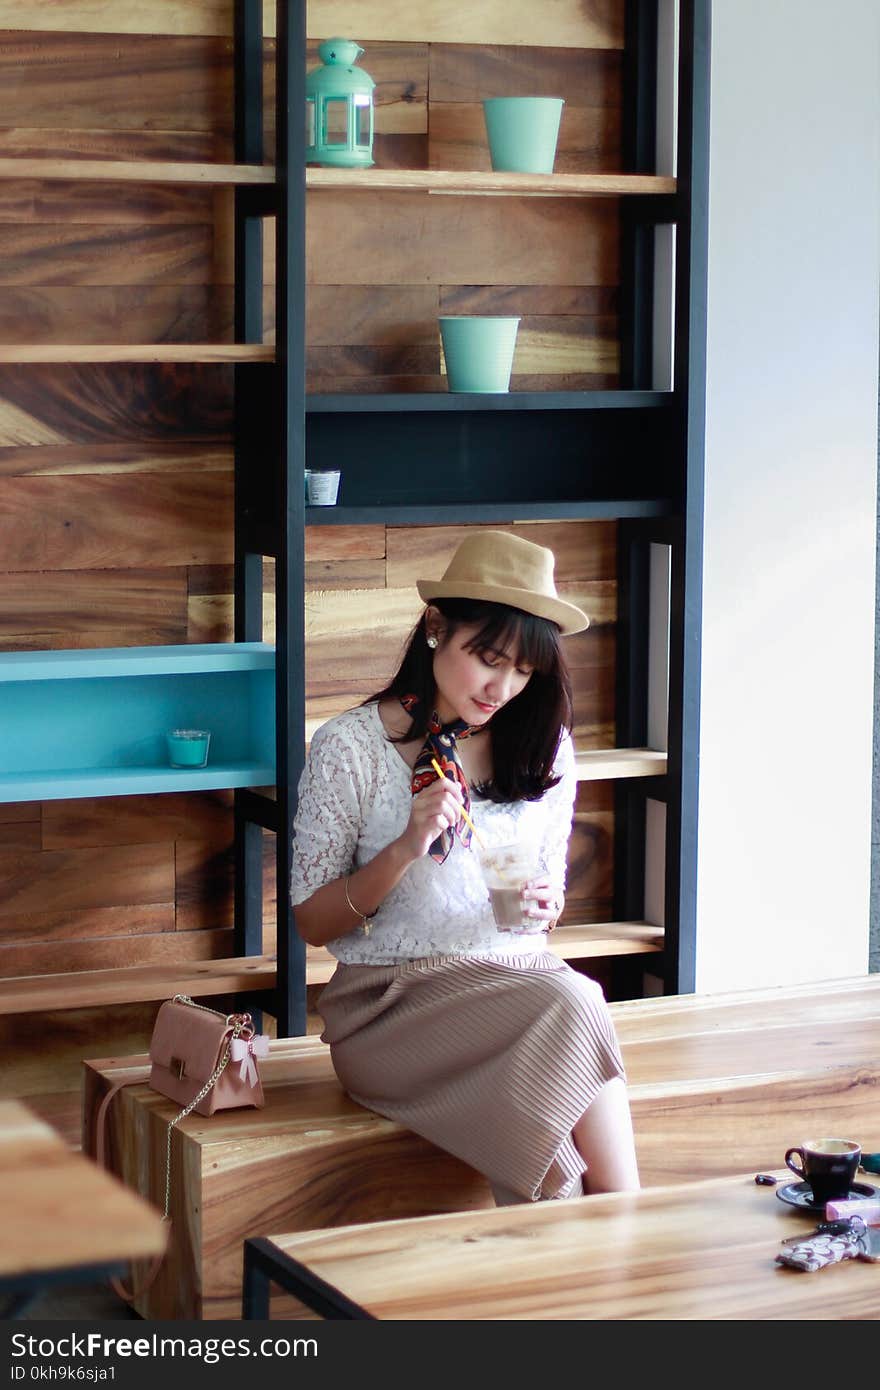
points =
(475, 1037)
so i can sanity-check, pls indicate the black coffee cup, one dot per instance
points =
(828, 1166)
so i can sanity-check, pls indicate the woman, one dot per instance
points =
(479, 1039)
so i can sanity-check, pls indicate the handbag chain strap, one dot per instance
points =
(230, 1018)
(240, 1023)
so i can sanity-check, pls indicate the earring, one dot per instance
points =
(432, 642)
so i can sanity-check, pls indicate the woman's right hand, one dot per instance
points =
(435, 808)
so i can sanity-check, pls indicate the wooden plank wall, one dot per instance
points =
(115, 523)
(115, 480)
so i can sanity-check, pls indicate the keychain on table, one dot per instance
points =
(831, 1242)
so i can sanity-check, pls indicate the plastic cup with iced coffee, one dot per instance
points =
(506, 871)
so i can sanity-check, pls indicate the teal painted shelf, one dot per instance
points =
(93, 723)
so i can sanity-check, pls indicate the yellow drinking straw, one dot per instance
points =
(463, 813)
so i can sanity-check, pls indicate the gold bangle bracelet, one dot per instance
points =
(364, 916)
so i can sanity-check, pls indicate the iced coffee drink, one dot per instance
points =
(506, 871)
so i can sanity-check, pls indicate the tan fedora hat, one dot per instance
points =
(501, 568)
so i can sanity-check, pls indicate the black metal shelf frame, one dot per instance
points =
(514, 401)
(682, 531)
(633, 454)
(506, 513)
(269, 456)
(248, 328)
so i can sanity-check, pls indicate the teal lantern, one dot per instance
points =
(339, 108)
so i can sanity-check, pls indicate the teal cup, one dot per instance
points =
(188, 747)
(478, 352)
(523, 132)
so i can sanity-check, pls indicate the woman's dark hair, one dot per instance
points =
(525, 732)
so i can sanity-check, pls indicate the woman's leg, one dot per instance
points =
(604, 1139)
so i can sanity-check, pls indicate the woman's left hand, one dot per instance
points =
(543, 901)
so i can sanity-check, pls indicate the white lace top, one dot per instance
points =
(355, 798)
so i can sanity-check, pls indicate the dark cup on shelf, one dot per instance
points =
(828, 1166)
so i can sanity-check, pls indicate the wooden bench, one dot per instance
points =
(703, 1250)
(718, 1085)
(311, 1157)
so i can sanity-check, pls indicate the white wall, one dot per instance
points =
(791, 465)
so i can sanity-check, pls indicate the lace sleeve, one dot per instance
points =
(559, 802)
(328, 816)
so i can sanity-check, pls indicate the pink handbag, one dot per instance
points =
(205, 1060)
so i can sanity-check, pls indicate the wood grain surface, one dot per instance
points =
(576, 23)
(131, 171)
(656, 1255)
(58, 1210)
(121, 456)
(570, 23)
(90, 966)
(588, 77)
(480, 180)
(69, 204)
(88, 522)
(66, 79)
(138, 352)
(173, 404)
(90, 143)
(189, 967)
(127, 17)
(395, 239)
(828, 1007)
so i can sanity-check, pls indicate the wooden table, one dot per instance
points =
(701, 1251)
(63, 1219)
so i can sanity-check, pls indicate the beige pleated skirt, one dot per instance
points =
(492, 1060)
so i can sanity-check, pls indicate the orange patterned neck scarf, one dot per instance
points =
(441, 745)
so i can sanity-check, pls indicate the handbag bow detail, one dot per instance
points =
(244, 1050)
